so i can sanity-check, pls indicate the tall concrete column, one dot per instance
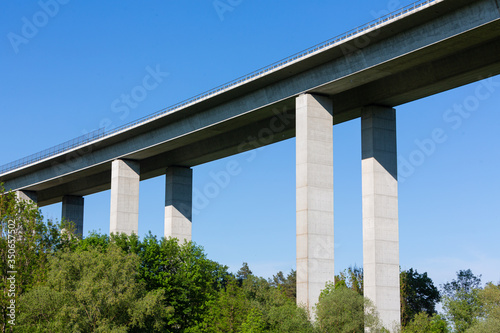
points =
(125, 177)
(380, 212)
(178, 203)
(27, 196)
(314, 162)
(72, 211)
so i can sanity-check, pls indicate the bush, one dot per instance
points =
(423, 323)
(342, 310)
(92, 291)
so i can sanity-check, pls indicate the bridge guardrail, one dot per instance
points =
(101, 133)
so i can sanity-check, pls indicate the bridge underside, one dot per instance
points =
(220, 141)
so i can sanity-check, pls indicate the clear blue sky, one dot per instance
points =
(66, 77)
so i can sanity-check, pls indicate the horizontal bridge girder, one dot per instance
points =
(267, 131)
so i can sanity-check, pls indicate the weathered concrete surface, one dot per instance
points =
(72, 210)
(451, 43)
(124, 215)
(380, 212)
(314, 149)
(178, 203)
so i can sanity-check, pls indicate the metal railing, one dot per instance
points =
(100, 133)
(60, 148)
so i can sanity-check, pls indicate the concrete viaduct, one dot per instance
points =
(429, 47)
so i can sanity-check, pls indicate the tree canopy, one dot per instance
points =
(461, 300)
(418, 294)
(489, 319)
(341, 309)
(121, 283)
(93, 291)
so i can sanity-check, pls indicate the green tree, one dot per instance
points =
(466, 281)
(461, 301)
(189, 280)
(226, 313)
(423, 323)
(243, 273)
(93, 291)
(490, 320)
(287, 284)
(352, 278)
(341, 309)
(26, 243)
(94, 241)
(259, 291)
(254, 304)
(289, 318)
(254, 323)
(418, 294)
(275, 305)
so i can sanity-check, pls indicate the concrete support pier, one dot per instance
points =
(314, 162)
(124, 215)
(178, 203)
(72, 210)
(27, 196)
(380, 212)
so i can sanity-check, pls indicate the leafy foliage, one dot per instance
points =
(92, 291)
(243, 273)
(120, 283)
(466, 282)
(254, 305)
(287, 284)
(188, 279)
(461, 300)
(418, 294)
(289, 318)
(26, 244)
(254, 323)
(352, 278)
(227, 312)
(341, 309)
(423, 323)
(490, 319)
